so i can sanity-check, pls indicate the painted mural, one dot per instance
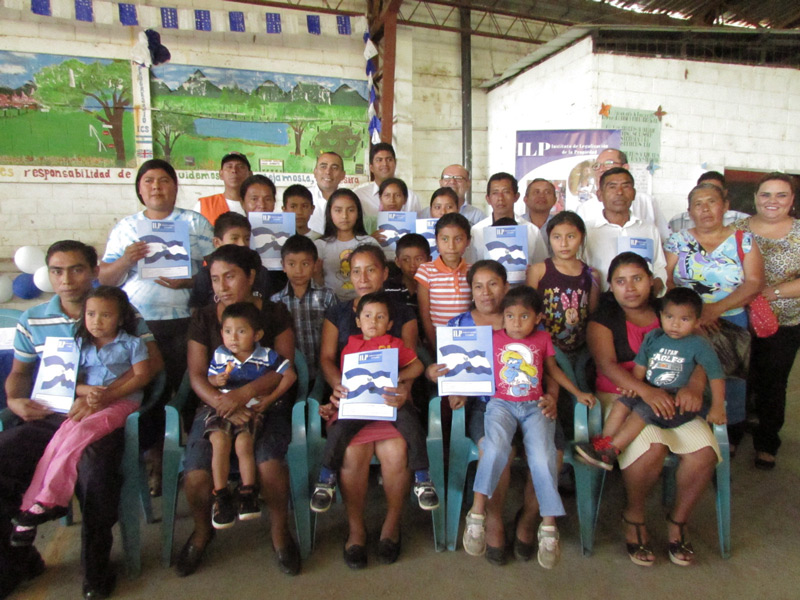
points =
(65, 110)
(280, 121)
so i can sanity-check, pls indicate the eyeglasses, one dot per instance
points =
(453, 178)
(606, 163)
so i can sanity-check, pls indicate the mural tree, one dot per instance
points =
(340, 138)
(168, 126)
(103, 90)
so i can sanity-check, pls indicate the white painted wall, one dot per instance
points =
(732, 116)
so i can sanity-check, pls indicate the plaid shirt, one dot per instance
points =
(308, 313)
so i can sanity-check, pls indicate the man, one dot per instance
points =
(502, 192)
(457, 178)
(643, 206)
(616, 229)
(72, 268)
(540, 198)
(234, 169)
(382, 165)
(683, 221)
(328, 173)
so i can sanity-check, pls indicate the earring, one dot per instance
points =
(216, 299)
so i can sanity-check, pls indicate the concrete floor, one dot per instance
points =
(240, 564)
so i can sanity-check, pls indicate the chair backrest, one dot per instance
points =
(9, 317)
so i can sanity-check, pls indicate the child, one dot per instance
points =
(444, 292)
(523, 355)
(412, 251)
(240, 360)
(393, 194)
(666, 360)
(306, 300)
(230, 228)
(297, 199)
(569, 287)
(443, 201)
(344, 230)
(374, 318)
(112, 373)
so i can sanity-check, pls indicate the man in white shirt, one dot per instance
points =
(234, 169)
(616, 229)
(501, 193)
(382, 165)
(328, 173)
(457, 179)
(540, 198)
(643, 207)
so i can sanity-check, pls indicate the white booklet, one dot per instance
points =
(366, 375)
(427, 229)
(509, 247)
(269, 232)
(168, 251)
(58, 372)
(467, 352)
(394, 225)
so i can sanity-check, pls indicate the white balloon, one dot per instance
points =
(6, 289)
(28, 259)
(41, 278)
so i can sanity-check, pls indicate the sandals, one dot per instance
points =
(640, 553)
(680, 551)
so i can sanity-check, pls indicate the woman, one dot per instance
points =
(368, 271)
(233, 270)
(163, 302)
(625, 315)
(488, 281)
(777, 234)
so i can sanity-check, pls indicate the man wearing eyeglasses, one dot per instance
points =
(643, 207)
(457, 178)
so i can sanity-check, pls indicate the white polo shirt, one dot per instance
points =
(317, 220)
(643, 207)
(370, 201)
(602, 244)
(537, 251)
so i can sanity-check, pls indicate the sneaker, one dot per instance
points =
(249, 507)
(599, 452)
(322, 498)
(549, 548)
(426, 495)
(474, 539)
(223, 513)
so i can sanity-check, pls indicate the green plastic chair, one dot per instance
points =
(8, 318)
(587, 483)
(135, 494)
(435, 446)
(296, 457)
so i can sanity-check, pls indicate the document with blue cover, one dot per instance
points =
(644, 247)
(168, 251)
(366, 375)
(427, 229)
(509, 247)
(467, 352)
(58, 374)
(269, 232)
(393, 226)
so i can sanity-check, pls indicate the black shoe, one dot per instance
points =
(33, 519)
(33, 567)
(288, 558)
(22, 537)
(99, 592)
(355, 556)
(248, 503)
(223, 513)
(190, 556)
(388, 551)
(496, 556)
(25, 566)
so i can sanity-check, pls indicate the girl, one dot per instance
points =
(443, 201)
(569, 287)
(344, 230)
(523, 356)
(393, 194)
(113, 370)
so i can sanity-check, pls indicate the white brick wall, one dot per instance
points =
(732, 116)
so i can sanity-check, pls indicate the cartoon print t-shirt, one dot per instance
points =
(518, 365)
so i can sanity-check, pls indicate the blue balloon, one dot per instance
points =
(25, 288)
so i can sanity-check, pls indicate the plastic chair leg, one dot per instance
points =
(169, 498)
(589, 484)
(297, 459)
(456, 476)
(436, 458)
(723, 479)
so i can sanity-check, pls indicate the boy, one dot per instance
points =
(523, 356)
(297, 199)
(666, 360)
(230, 228)
(412, 251)
(444, 292)
(240, 360)
(306, 300)
(443, 201)
(373, 317)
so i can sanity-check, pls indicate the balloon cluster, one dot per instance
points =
(32, 281)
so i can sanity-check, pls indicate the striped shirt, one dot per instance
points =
(48, 320)
(448, 291)
(260, 362)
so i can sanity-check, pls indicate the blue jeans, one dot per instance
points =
(501, 421)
